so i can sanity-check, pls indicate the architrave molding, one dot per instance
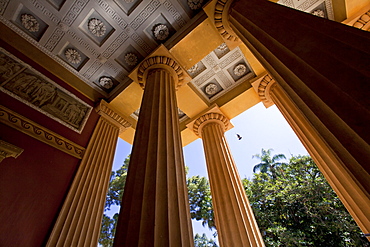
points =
(39, 132)
(9, 150)
(106, 111)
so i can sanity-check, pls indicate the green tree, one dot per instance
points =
(299, 208)
(199, 199)
(203, 241)
(268, 164)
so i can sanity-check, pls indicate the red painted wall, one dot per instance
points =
(32, 189)
(34, 186)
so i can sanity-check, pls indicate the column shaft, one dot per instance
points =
(324, 69)
(333, 168)
(79, 221)
(235, 220)
(155, 210)
(322, 63)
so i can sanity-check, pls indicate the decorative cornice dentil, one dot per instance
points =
(221, 22)
(363, 21)
(39, 132)
(106, 111)
(209, 118)
(160, 60)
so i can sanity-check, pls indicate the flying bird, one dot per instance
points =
(239, 137)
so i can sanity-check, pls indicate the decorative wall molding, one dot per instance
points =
(106, 111)
(83, 43)
(160, 60)
(9, 150)
(115, 45)
(204, 78)
(175, 14)
(110, 11)
(3, 4)
(92, 69)
(45, 11)
(74, 11)
(143, 45)
(39, 132)
(144, 14)
(208, 118)
(42, 94)
(235, 54)
(54, 39)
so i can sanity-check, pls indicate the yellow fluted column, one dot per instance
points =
(79, 221)
(335, 170)
(155, 207)
(235, 222)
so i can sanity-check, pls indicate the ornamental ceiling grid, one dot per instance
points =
(100, 41)
(321, 8)
(219, 72)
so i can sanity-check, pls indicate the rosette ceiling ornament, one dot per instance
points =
(73, 56)
(30, 23)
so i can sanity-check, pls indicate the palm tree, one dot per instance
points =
(268, 163)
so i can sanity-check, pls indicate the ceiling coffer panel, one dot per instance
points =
(99, 40)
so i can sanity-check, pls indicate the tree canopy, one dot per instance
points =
(199, 199)
(297, 207)
(292, 202)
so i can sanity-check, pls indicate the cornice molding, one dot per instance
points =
(211, 117)
(39, 132)
(160, 62)
(9, 150)
(263, 87)
(104, 110)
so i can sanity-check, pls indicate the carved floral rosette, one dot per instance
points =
(161, 32)
(30, 23)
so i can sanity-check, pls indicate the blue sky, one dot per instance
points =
(259, 128)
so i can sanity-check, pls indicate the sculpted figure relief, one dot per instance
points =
(8, 67)
(44, 94)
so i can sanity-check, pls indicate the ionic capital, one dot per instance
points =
(104, 110)
(263, 87)
(211, 117)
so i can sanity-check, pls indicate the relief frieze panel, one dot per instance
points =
(24, 83)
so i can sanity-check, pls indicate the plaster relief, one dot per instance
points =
(24, 83)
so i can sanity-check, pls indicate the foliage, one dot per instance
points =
(203, 241)
(297, 207)
(292, 202)
(268, 164)
(114, 197)
(200, 200)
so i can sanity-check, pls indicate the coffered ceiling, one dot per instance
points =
(100, 41)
